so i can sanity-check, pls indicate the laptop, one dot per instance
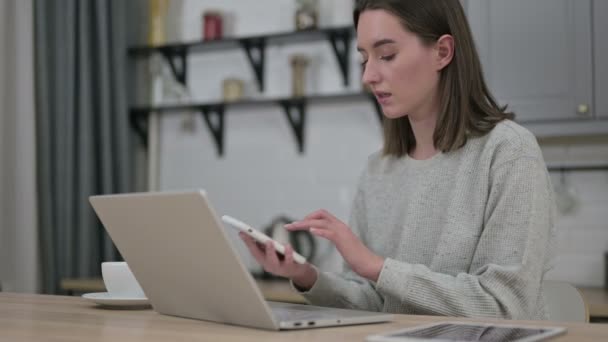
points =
(181, 255)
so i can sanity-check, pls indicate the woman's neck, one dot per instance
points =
(424, 129)
(423, 121)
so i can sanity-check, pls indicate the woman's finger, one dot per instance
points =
(288, 255)
(324, 233)
(254, 248)
(246, 238)
(329, 216)
(321, 214)
(307, 224)
(317, 214)
(271, 258)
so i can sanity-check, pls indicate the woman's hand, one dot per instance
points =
(360, 259)
(303, 276)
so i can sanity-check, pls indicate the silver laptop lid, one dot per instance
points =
(178, 251)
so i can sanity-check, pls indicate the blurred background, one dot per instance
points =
(259, 103)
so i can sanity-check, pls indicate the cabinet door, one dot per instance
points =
(536, 55)
(600, 10)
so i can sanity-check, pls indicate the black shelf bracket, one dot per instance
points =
(176, 57)
(139, 122)
(216, 128)
(340, 42)
(295, 111)
(255, 48)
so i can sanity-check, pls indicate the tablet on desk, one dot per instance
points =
(465, 332)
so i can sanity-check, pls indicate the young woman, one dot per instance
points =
(455, 215)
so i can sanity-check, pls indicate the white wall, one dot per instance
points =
(261, 174)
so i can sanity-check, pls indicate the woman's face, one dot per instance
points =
(400, 71)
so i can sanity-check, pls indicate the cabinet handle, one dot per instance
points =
(583, 109)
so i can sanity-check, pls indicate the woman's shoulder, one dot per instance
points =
(375, 161)
(509, 141)
(379, 164)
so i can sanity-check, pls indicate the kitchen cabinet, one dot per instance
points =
(537, 56)
(600, 39)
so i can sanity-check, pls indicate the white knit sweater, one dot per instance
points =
(466, 233)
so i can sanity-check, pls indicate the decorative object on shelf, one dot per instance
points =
(298, 74)
(232, 89)
(157, 29)
(307, 14)
(212, 25)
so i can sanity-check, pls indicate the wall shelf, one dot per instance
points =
(255, 49)
(293, 108)
(176, 55)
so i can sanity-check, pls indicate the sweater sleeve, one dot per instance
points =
(507, 267)
(347, 289)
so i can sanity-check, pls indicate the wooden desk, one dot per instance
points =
(597, 300)
(274, 290)
(280, 291)
(63, 318)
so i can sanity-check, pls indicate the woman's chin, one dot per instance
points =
(393, 114)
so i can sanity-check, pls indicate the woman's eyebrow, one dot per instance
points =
(378, 44)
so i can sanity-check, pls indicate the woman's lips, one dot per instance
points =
(383, 97)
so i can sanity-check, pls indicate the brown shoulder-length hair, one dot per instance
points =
(467, 108)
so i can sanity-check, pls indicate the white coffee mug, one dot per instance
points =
(120, 281)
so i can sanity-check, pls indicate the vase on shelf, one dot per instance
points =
(298, 74)
(213, 25)
(307, 14)
(232, 89)
(157, 34)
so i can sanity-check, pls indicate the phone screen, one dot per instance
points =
(463, 332)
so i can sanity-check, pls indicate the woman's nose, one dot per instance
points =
(370, 74)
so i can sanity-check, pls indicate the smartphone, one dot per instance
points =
(261, 237)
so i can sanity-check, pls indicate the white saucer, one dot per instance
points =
(105, 298)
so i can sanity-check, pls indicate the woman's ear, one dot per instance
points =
(445, 51)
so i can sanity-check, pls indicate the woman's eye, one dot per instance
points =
(363, 64)
(388, 58)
